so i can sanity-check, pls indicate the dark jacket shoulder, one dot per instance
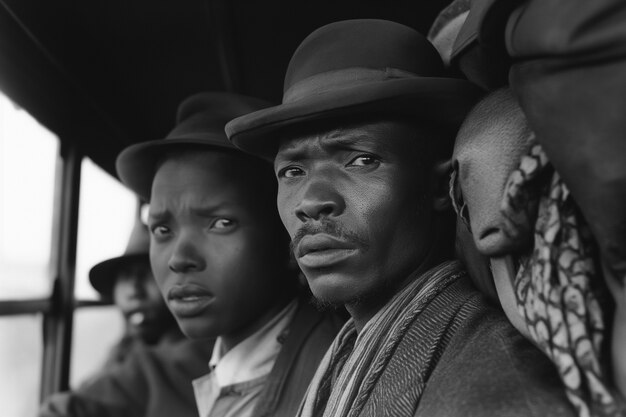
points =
(489, 368)
(310, 335)
(152, 380)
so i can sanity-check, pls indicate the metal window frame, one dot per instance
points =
(58, 321)
(21, 307)
(47, 74)
(58, 309)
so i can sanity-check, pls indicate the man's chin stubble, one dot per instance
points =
(322, 304)
(377, 297)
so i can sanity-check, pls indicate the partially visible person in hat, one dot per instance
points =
(366, 117)
(543, 257)
(128, 282)
(220, 257)
(149, 372)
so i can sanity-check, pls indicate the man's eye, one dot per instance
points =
(160, 230)
(364, 160)
(222, 223)
(290, 172)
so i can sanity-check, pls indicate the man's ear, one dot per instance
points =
(440, 185)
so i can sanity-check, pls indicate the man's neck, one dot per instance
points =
(233, 339)
(363, 309)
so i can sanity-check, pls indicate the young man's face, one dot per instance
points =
(214, 243)
(354, 207)
(138, 297)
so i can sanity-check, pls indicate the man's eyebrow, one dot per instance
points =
(154, 215)
(358, 140)
(292, 150)
(205, 210)
(346, 141)
(209, 210)
(335, 140)
(291, 153)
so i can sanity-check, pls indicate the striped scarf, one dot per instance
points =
(352, 365)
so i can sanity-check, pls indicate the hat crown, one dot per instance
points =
(359, 67)
(358, 46)
(200, 123)
(103, 275)
(204, 115)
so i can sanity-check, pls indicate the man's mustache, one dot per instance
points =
(330, 228)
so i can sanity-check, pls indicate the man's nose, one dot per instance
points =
(319, 199)
(186, 257)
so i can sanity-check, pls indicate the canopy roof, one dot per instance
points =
(105, 74)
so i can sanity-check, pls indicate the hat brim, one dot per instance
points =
(434, 101)
(102, 276)
(137, 164)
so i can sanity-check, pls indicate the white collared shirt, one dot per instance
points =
(237, 377)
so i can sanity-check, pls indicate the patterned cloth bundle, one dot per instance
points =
(558, 286)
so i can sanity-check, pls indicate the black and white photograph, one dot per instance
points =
(354, 208)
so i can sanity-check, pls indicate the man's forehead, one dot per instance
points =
(208, 182)
(380, 135)
(298, 140)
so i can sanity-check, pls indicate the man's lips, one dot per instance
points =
(188, 300)
(137, 318)
(322, 250)
(137, 312)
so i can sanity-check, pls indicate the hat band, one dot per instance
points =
(343, 78)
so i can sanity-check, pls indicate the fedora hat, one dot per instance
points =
(358, 67)
(200, 121)
(103, 275)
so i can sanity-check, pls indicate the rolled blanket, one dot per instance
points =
(558, 285)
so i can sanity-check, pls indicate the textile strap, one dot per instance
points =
(555, 285)
(354, 363)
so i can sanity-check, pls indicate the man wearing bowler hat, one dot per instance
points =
(366, 116)
(220, 257)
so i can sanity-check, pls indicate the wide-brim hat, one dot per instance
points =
(200, 121)
(102, 276)
(358, 67)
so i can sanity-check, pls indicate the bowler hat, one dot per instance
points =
(103, 275)
(358, 67)
(200, 121)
